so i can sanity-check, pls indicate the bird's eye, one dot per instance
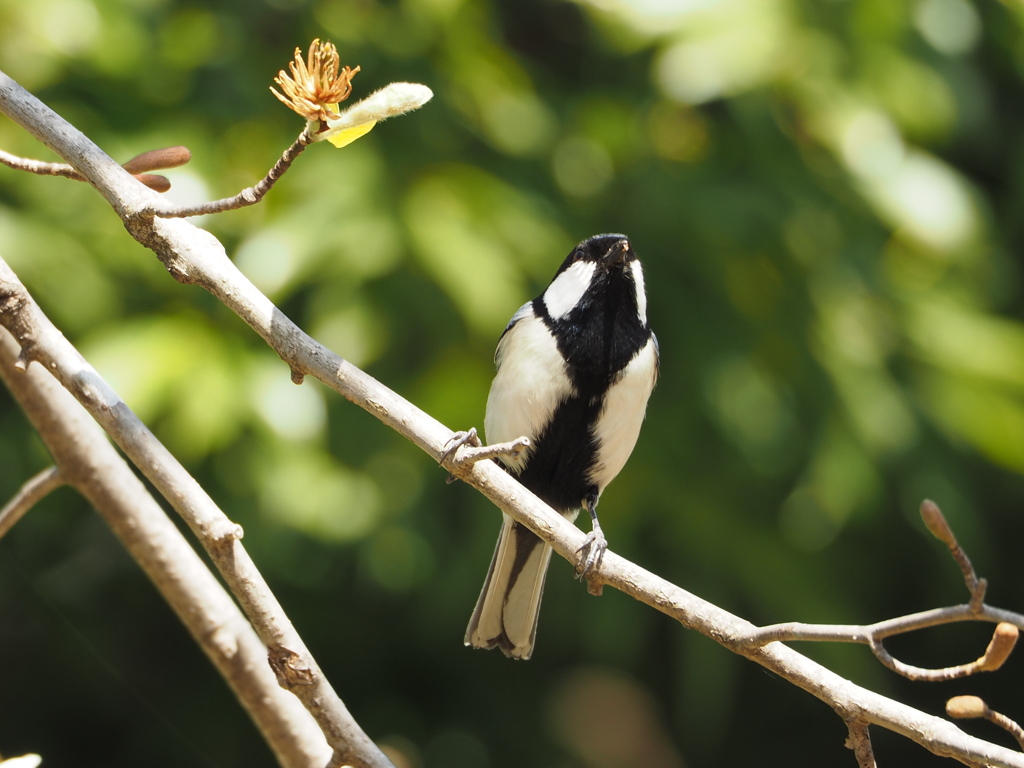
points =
(577, 255)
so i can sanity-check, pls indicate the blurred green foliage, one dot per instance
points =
(823, 193)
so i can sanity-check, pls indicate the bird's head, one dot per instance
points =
(595, 265)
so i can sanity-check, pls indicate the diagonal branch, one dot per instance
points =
(31, 493)
(195, 257)
(40, 341)
(90, 463)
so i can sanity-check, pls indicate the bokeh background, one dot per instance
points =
(826, 195)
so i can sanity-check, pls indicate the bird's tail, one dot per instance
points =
(506, 612)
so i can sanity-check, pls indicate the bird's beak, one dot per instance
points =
(618, 254)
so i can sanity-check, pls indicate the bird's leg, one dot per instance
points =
(478, 452)
(594, 547)
(457, 440)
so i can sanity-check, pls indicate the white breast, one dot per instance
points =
(624, 406)
(530, 383)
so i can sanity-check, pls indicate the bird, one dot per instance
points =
(575, 368)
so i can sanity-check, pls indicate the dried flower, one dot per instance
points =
(316, 86)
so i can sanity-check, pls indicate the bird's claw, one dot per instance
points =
(459, 439)
(591, 553)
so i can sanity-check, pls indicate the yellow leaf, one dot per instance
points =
(349, 135)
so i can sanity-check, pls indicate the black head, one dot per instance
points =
(607, 251)
(596, 310)
(601, 275)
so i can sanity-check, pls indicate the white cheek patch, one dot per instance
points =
(568, 288)
(641, 294)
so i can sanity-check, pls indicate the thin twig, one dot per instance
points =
(998, 651)
(971, 707)
(1008, 725)
(859, 741)
(248, 196)
(941, 529)
(31, 493)
(139, 166)
(858, 633)
(39, 167)
(1003, 639)
(873, 634)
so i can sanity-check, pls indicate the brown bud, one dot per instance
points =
(158, 159)
(999, 648)
(154, 182)
(966, 707)
(936, 522)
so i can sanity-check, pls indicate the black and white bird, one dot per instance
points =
(575, 368)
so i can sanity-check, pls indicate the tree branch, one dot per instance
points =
(90, 463)
(39, 167)
(41, 342)
(1004, 638)
(971, 707)
(860, 742)
(248, 196)
(195, 257)
(31, 493)
(139, 166)
(940, 529)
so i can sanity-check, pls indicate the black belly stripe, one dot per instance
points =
(564, 452)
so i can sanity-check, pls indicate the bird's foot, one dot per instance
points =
(590, 556)
(475, 451)
(459, 439)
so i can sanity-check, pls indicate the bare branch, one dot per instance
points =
(860, 742)
(999, 648)
(39, 167)
(139, 166)
(1003, 639)
(31, 493)
(90, 463)
(41, 342)
(970, 707)
(940, 529)
(195, 257)
(248, 196)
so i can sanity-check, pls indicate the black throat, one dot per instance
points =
(602, 333)
(597, 338)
